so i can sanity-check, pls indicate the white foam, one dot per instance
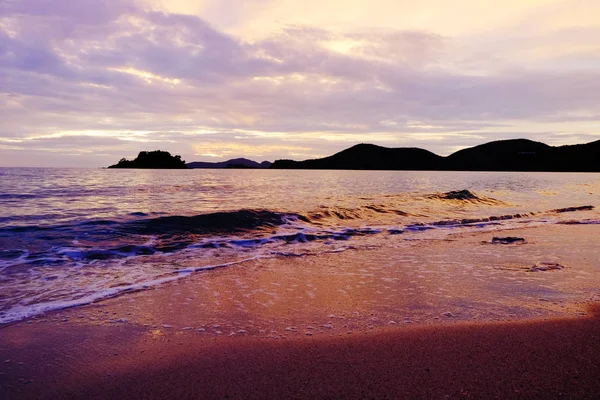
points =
(20, 312)
(137, 276)
(70, 252)
(15, 261)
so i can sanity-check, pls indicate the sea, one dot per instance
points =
(70, 237)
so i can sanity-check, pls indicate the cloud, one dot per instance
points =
(125, 67)
(232, 149)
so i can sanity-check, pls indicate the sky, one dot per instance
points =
(84, 83)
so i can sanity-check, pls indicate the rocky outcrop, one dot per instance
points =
(152, 160)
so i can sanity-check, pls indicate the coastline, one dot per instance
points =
(506, 332)
(557, 358)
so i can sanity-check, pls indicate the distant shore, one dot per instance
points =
(516, 155)
(520, 155)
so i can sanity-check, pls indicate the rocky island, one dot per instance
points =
(152, 159)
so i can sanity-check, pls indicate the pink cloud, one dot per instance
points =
(112, 65)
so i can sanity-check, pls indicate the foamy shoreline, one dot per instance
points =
(460, 277)
(460, 317)
(301, 241)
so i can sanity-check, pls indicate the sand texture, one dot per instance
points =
(457, 318)
(541, 360)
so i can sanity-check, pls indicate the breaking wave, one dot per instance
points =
(465, 196)
(52, 266)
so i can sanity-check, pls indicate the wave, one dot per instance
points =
(233, 221)
(292, 238)
(202, 223)
(325, 214)
(571, 209)
(203, 238)
(101, 254)
(495, 219)
(465, 196)
(241, 229)
(239, 221)
(141, 223)
(580, 222)
(17, 196)
(21, 311)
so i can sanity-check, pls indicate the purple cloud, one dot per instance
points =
(117, 66)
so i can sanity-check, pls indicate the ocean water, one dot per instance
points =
(69, 237)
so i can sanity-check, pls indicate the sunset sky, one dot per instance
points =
(86, 82)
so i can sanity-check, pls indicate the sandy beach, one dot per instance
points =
(260, 199)
(340, 329)
(542, 360)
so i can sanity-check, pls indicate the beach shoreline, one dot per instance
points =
(330, 326)
(554, 358)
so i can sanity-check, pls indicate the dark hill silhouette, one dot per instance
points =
(503, 155)
(576, 158)
(152, 159)
(233, 163)
(369, 156)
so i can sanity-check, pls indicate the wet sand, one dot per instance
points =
(542, 360)
(334, 327)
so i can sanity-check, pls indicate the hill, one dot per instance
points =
(502, 155)
(577, 158)
(152, 159)
(233, 163)
(369, 156)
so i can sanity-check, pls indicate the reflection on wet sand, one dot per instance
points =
(455, 318)
(463, 278)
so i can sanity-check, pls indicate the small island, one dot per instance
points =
(239, 163)
(152, 159)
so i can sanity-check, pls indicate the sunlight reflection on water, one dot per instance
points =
(68, 234)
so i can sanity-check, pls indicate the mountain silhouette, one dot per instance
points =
(369, 156)
(152, 159)
(233, 163)
(502, 155)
